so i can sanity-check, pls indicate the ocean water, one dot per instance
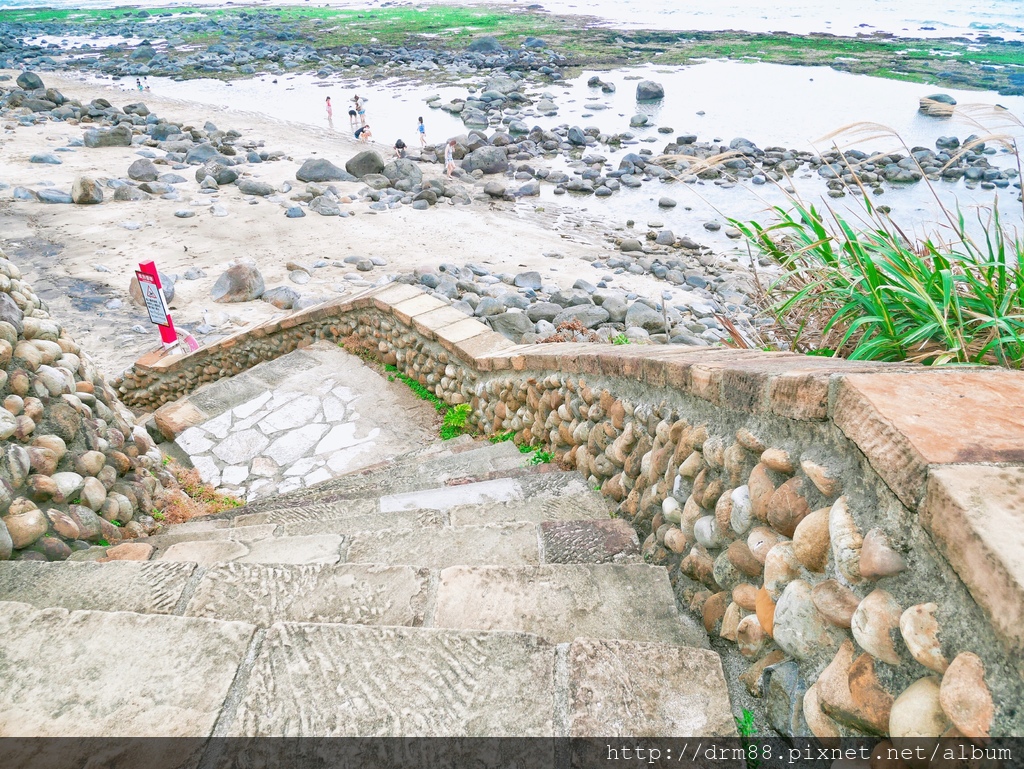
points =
(905, 18)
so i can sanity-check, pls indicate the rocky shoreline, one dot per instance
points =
(236, 43)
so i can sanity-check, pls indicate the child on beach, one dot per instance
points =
(422, 131)
(399, 149)
(449, 158)
(138, 84)
(330, 109)
(359, 109)
(363, 133)
(353, 117)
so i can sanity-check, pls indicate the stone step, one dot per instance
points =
(64, 674)
(407, 475)
(583, 541)
(329, 680)
(335, 519)
(517, 492)
(348, 681)
(558, 602)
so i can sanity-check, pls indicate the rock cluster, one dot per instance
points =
(527, 308)
(74, 469)
(250, 41)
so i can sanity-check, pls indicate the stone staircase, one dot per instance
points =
(450, 592)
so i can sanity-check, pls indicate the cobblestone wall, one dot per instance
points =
(798, 516)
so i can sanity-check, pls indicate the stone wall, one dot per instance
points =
(844, 529)
(74, 469)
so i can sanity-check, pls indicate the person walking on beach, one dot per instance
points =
(330, 110)
(449, 158)
(422, 131)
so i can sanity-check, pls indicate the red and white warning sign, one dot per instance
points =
(156, 305)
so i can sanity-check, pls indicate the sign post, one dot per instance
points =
(156, 305)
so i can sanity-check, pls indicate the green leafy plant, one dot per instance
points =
(454, 423)
(871, 292)
(620, 339)
(117, 523)
(157, 515)
(748, 729)
(508, 435)
(102, 543)
(540, 457)
(416, 387)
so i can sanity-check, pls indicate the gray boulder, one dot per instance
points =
(543, 311)
(648, 90)
(51, 195)
(490, 160)
(631, 244)
(511, 325)
(589, 315)
(253, 187)
(403, 169)
(642, 316)
(143, 170)
(203, 152)
(322, 170)
(128, 193)
(239, 283)
(529, 279)
(485, 44)
(366, 162)
(219, 172)
(119, 136)
(86, 191)
(10, 312)
(30, 81)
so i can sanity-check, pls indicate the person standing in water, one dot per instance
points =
(422, 131)
(330, 109)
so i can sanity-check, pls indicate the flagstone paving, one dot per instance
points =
(300, 420)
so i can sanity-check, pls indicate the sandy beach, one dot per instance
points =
(60, 246)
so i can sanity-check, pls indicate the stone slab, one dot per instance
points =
(513, 544)
(347, 681)
(273, 372)
(238, 534)
(975, 515)
(343, 509)
(564, 602)
(324, 548)
(628, 688)
(349, 594)
(146, 587)
(588, 541)
(444, 497)
(586, 506)
(217, 397)
(63, 675)
(904, 422)
(204, 553)
(406, 519)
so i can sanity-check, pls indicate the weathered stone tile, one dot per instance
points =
(349, 594)
(514, 544)
(588, 541)
(563, 602)
(75, 688)
(139, 586)
(635, 689)
(348, 681)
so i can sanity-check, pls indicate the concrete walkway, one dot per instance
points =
(309, 416)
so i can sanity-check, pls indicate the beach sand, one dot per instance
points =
(59, 246)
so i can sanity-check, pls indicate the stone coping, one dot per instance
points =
(918, 427)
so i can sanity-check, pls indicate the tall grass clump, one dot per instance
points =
(867, 291)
